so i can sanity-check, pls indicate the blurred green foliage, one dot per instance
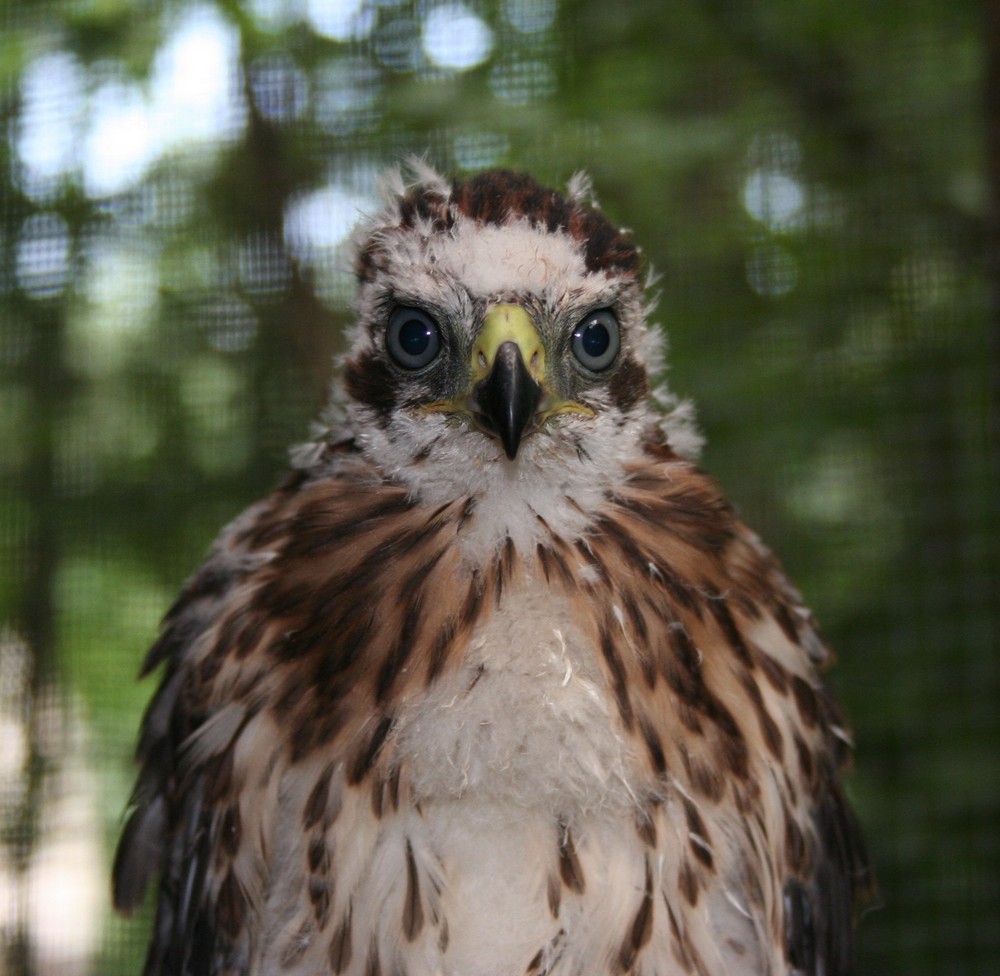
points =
(807, 179)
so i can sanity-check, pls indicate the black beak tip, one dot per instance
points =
(508, 398)
(510, 445)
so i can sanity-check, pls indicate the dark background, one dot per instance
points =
(816, 184)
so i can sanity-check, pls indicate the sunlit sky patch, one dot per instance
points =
(52, 111)
(774, 198)
(318, 225)
(119, 132)
(65, 890)
(455, 38)
(112, 135)
(773, 193)
(118, 147)
(341, 20)
(323, 219)
(194, 89)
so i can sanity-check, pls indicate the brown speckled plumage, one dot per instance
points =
(572, 727)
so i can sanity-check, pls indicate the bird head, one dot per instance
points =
(500, 324)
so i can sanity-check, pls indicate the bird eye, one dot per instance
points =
(412, 338)
(596, 340)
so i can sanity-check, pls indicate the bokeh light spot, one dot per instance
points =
(341, 20)
(455, 38)
(43, 255)
(774, 198)
(772, 271)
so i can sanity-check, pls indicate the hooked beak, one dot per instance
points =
(509, 396)
(508, 365)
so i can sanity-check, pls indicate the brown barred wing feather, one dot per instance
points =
(318, 610)
(170, 831)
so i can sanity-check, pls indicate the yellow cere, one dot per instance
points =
(510, 323)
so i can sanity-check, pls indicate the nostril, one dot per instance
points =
(481, 359)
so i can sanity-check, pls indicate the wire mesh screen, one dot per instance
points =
(809, 182)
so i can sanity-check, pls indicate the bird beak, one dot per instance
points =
(508, 396)
(508, 370)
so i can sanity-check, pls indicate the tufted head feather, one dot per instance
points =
(432, 204)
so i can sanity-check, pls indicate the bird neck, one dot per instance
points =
(557, 483)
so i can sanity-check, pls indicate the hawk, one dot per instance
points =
(496, 683)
